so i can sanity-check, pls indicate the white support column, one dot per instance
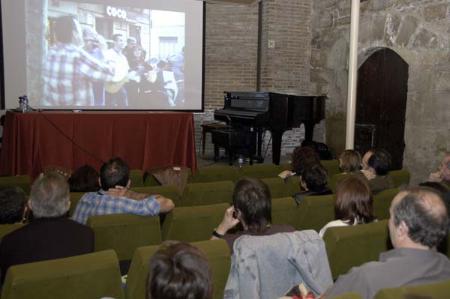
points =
(352, 76)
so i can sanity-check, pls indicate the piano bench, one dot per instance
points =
(208, 128)
(234, 142)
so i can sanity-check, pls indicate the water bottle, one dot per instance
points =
(240, 161)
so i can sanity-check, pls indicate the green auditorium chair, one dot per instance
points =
(124, 233)
(334, 180)
(166, 191)
(400, 177)
(217, 253)
(332, 167)
(7, 228)
(438, 290)
(74, 199)
(282, 188)
(207, 193)
(88, 276)
(21, 181)
(382, 202)
(137, 178)
(192, 224)
(315, 212)
(261, 170)
(348, 296)
(285, 211)
(351, 246)
(214, 173)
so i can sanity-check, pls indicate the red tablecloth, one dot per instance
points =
(33, 141)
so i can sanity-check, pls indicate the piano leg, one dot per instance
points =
(309, 130)
(276, 146)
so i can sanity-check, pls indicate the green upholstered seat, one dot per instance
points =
(137, 177)
(352, 246)
(217, 253)
(332, 167)
(438, 290)
(315, 212)
(214, 173)
(335, 180)
(207, 193)
(382, 202)
(166, 191)
(124, 233)
(74, 199)
(7, 228)
(285, 211)
(348, 296)
(192, 224)
(22, 181)
(282, 188)
(261, 170)
(400, 177)
(89, 276)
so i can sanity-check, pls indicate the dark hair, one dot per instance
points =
(252, 199)
(315, 177)
(116, 35)
(84, 179)
(113, 173)
(64, 27)
(179, 271)
(438, 187)
(380, 161)
(349, 161)
(425, 226)
(12, 203)
(354, 201)
(302, 157)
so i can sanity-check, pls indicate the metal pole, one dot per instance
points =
(352, 76)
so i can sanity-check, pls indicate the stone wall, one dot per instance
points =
(419, 32)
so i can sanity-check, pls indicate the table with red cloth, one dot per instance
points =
(145, 140)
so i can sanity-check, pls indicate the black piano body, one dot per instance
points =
(256, 112)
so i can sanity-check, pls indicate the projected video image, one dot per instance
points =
(104, 56)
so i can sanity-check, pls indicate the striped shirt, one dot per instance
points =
(100, 203)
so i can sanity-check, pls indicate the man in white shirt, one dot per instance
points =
(116, 94)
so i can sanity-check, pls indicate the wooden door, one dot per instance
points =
(381, 104)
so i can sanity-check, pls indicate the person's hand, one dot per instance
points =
(285, 174)
(228, 221)
(368, 174)
(117, 191)
(435, 177)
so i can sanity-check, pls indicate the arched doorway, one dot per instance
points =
(381, 104)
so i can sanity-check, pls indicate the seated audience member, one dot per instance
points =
(302, 156)
(49, 235)
(378, 172)
(354, 204)
(84, 179)
(442, 175)
(418, 223)
(252, 208)
(313, 181)
(179, 271)
(13, 203)
(350, 161)
(114, 197)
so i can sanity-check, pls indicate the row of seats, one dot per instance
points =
(97, 275)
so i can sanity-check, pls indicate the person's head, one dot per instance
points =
(12, 202)
(179, 271)
(252, 203)
(302, 157)
(444, 168)
(418, 218)
(354, 201)
(114, 173)
(49, 196)
(314, 178)
(119, 41)
(90, 37)
(365, 159)
(84, 179)
(131, 41)
(350, 161)
(380, 162)
(68, 30)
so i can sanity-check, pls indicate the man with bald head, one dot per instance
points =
(417, 224)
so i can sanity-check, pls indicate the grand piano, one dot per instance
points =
(255, 112)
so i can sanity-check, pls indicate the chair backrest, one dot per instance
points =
(22, 181)
(352, 246)
(285, 211)
(332, 166)
(214, 173)
(348, 296)
(400, 177)
(166, 191)
(261, 170)
(334, 180)
(124, 233)
(7, 228)
(192, 224)
(217, 253)
(207, 193)
(315, 211)
(282, 188)
(88, 276)
(438, 290)
(137, 177)
(382, 202)
(74, 199)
